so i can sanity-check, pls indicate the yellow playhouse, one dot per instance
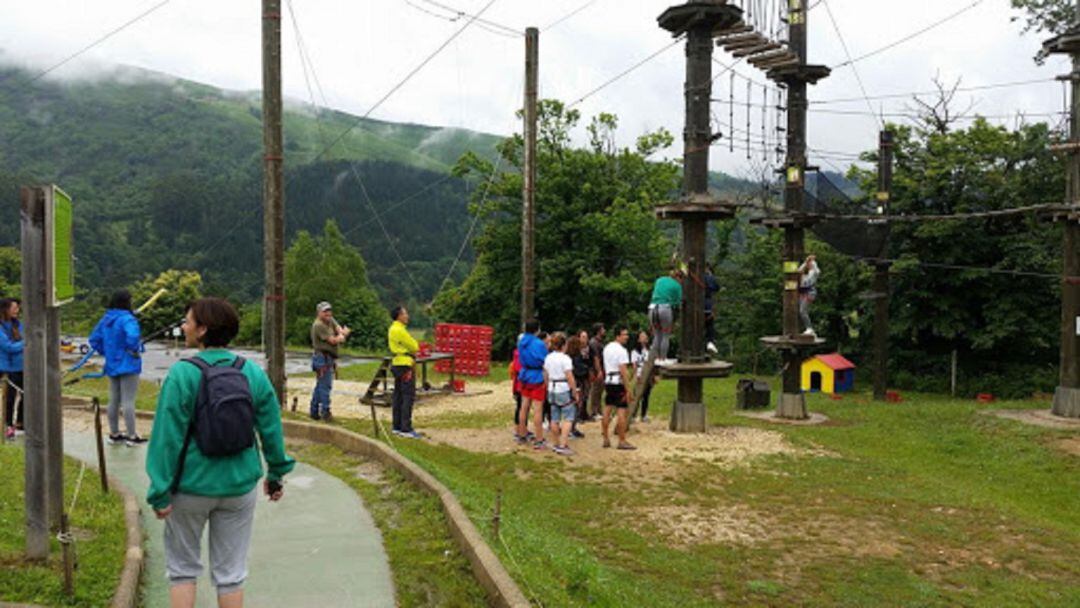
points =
(828, 374)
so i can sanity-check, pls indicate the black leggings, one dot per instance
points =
(10, 416)
(517, 408)
(645, 398)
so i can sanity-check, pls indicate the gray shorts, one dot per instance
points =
(230, 537)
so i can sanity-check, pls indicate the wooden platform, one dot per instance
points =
(699, 207)
(708, 369)
(380, 391)
(799, 342)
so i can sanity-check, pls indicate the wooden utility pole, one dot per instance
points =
(54, 417)
(698, 21)
(1067, 395)
(34, 381)
(796, 76)
(528, 190)
(273, 199)
(882, 293)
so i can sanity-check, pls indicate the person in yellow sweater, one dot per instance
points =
(404, 347)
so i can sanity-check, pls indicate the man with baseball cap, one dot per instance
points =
(326, 335)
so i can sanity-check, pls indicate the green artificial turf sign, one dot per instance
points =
(60, 234)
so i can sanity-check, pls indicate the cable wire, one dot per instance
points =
(628, 70)
(95, 43)
(909, 37)
(567, 16)
(843, 44)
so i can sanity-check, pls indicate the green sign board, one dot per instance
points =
(59, 246)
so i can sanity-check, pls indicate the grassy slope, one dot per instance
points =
(971, 510)
(100, 552)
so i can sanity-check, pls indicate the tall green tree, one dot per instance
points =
(325, 267)
(597, 243)
(182, 286)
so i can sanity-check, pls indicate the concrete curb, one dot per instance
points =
(502, 591)
(127, 592)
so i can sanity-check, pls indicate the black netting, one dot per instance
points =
(852, 237)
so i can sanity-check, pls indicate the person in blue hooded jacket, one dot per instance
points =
(531, 353)
(118, 339)
(11, 364)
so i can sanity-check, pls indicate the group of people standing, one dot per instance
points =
(562, 381)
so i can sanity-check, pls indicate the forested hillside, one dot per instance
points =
(167, 173)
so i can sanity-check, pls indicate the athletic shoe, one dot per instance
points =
(562, 451)
(314, 416)
(645, 419)
(412, 435)
(327, 417)
(519, 439)
(9, 432)
(576, 434)
(544, 425)
(134, 440)
(540, 445)
(529, 436)
(397, 432)
(711, 348)
(117, 439)
(19, 432)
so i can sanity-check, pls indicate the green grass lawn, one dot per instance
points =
(98, 524)
(922, 503)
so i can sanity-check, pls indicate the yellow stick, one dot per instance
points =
(153, 298)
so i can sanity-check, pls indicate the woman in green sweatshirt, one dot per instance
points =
(191, 490)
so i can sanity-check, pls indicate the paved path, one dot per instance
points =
(318, 546)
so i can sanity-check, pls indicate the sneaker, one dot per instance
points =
(9, 432)
(576, 434)
(314, 416)
(540, 445)
(397, 432)
(544, 425)
(529, 436)
(133, 440)
(520, 440)
(327, 417)
(562, 451)
(646, 419)
(117, 439)
(412, 435)
(711, 348)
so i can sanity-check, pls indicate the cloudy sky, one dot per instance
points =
(360, 49)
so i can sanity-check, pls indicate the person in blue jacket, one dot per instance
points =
(531, 353)
(118, 339)
(11, 364)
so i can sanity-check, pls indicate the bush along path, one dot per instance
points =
(318, 546)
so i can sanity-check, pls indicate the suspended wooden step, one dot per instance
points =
(772, 57)
(757, 50)
(752, 37)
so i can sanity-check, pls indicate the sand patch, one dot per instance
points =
(1043, 418)
(478, 397)
(1069, 445)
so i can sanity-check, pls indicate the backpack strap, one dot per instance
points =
(239, 362)
(203, 366)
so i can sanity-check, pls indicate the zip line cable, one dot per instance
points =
(985, 87)
(494, 28)
(855, 70)
(460, 14)
(406, 79)
(909, 37)
(96, 42)
(567, 16)
(628, 70)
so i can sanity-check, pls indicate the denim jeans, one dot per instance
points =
(323, 366)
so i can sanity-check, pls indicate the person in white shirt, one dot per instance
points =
(808, 292)
(638, 355)
(563, 393)
(617, 378)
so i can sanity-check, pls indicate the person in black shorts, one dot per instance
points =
(617, 378)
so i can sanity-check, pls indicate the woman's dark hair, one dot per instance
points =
(542, 335)
(120, 299)
(597, 328)
(220, 319)
(396, 312)
(574, 345)
(532, 326)
(638, 346)
(5, 315)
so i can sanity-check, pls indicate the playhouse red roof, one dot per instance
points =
(836, 362)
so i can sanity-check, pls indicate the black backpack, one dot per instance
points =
(223, 420)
